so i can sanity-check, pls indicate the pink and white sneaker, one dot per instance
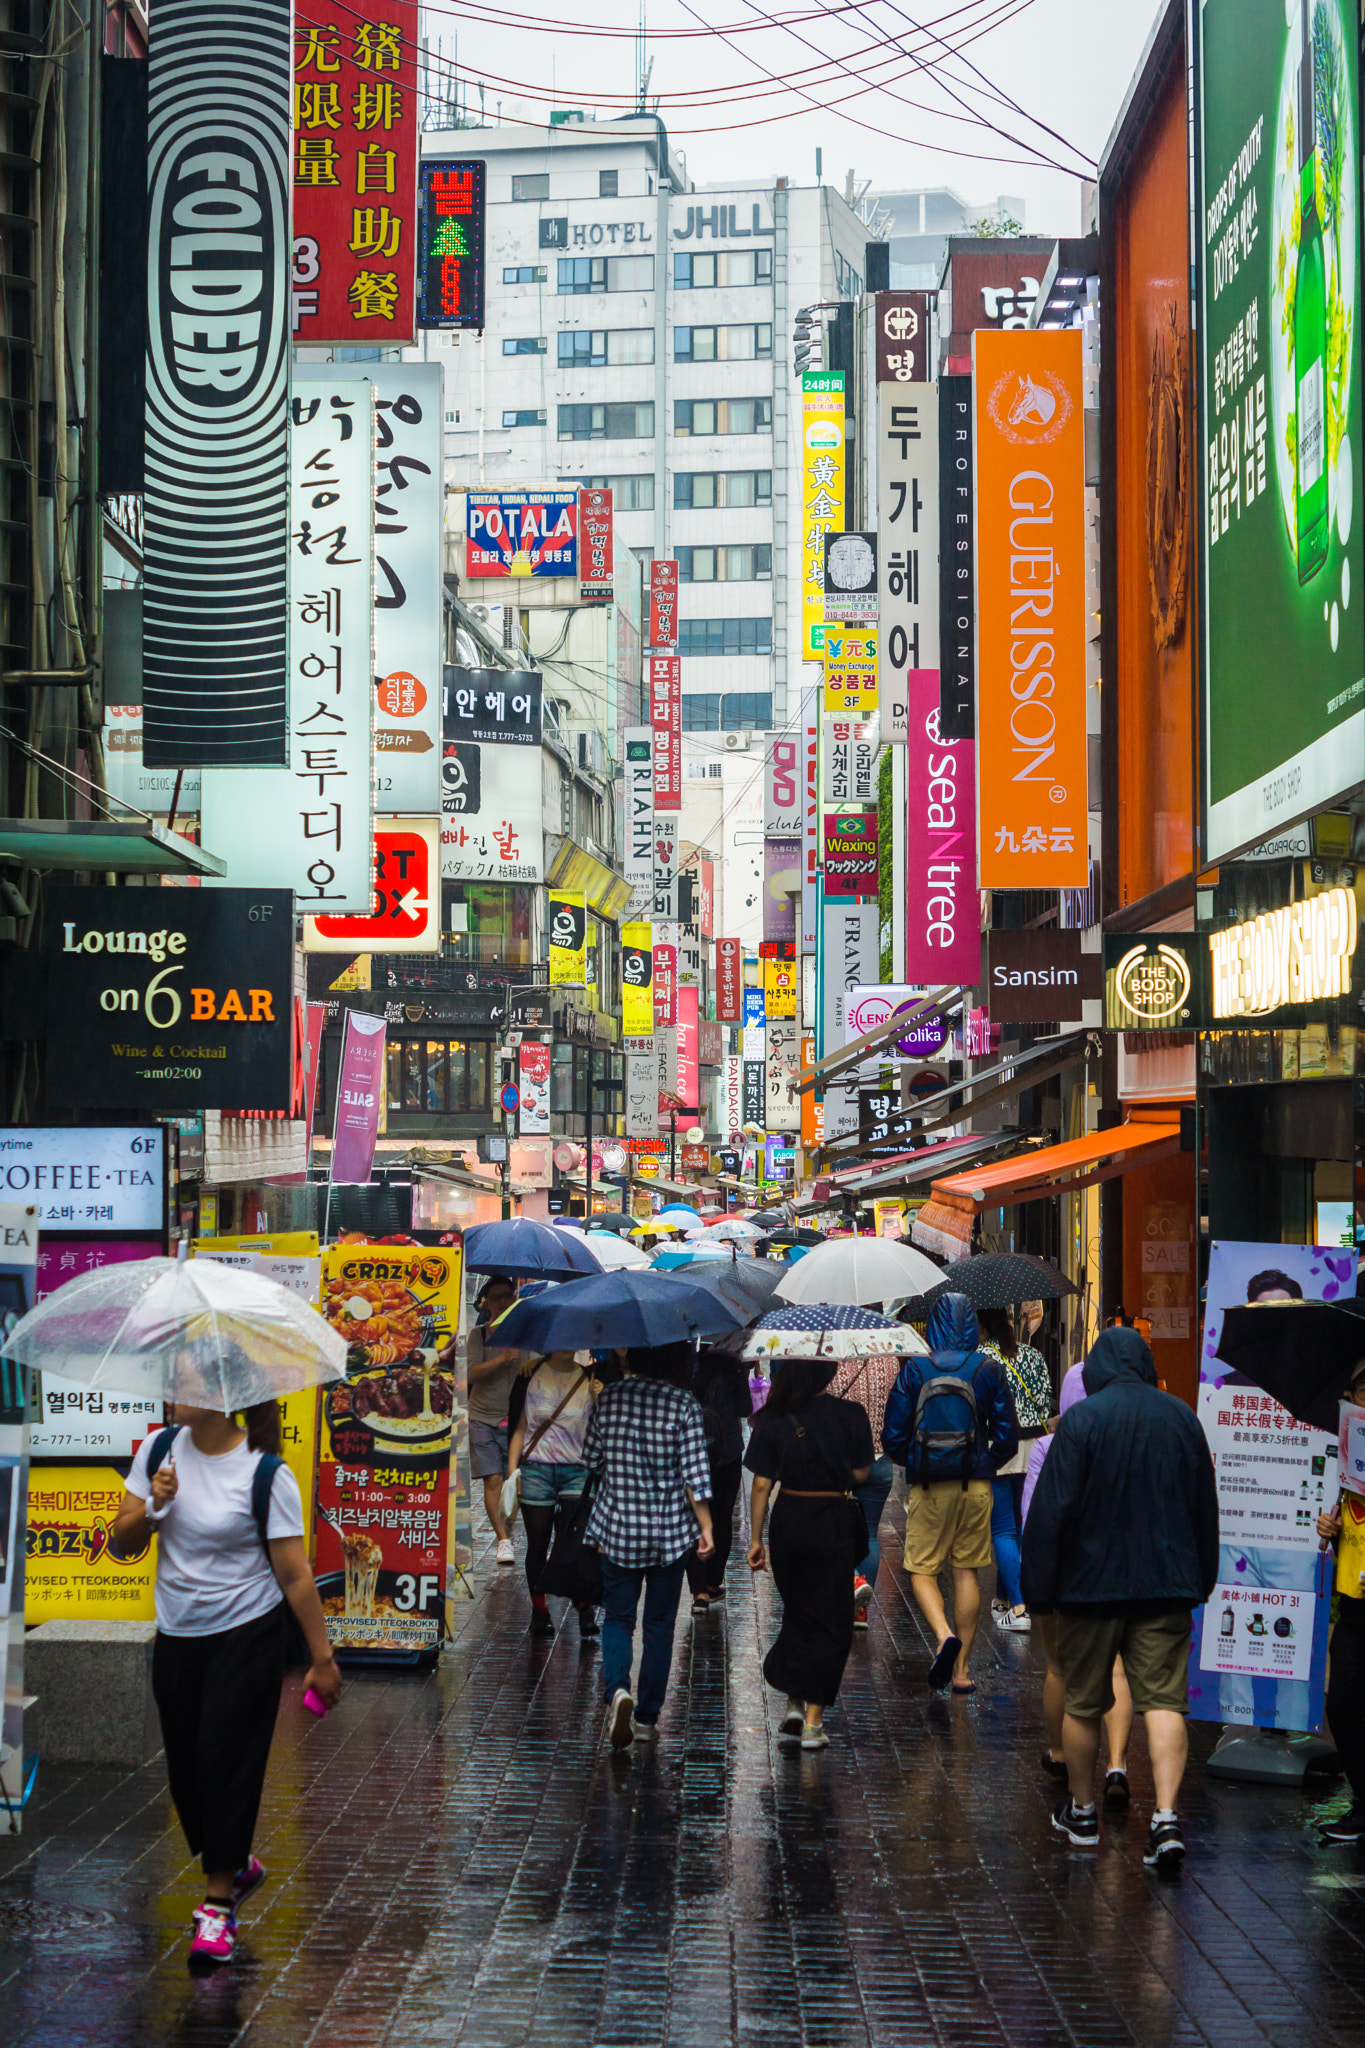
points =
(248, 1877)
(215, 1938)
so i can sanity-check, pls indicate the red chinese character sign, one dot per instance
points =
(729, 980)
(356, 139)
(450, 241)
(406, 917)
(595, 542)
(663, 605)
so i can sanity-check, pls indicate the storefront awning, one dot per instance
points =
(573, 867)
(105, 845)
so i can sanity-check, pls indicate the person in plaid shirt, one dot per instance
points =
(647, 1445)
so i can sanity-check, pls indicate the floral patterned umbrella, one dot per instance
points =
(827, 1329)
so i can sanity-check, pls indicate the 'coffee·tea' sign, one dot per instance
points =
(170, 1000)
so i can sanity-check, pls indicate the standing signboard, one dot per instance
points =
(451, 228)
(310, 827)
(823, 463)
(1030, 610)
(957, 560)
(357, 121)
(216, 508)
(907, 513)
(406, 913)
(942, 904)
(1278, 362)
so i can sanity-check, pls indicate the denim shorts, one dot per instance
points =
(487, 1450)
(542, 1484)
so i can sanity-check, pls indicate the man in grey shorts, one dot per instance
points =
(492, 1374)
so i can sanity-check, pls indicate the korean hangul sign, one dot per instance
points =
(310, 827)
(568, 922)
(497, 705)
(492, 820)
(663, 606)
(665, 843)
(1031, 622)
(902, 329)
(357, 118)
(810, 816)
(533, 1074)
(851, 683)
(595, 547)
(409, 513)
(521, 533)
(850, 750)
(729, 980)
(850, 577)
(406, 913)
(783, 1111)
(957, 560)
(76, 1421)
(779, 977)
(755, 1105)
(70, 1570)
(822, 495)
(450, 242)
(639, 802)
(907, 516)
(782, 785)
(850, 853)
(642, 1094)
(665, 717)
(637, 980)
(689, 954)
(665, 985)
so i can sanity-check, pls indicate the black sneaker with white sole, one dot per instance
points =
(1116, 1791)
(1347, 1827)
(1081, 1828)
(1165, 1845)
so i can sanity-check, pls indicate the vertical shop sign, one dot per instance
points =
(665, 718)
(852, 937)
(406, 914)
(850, 853)
(810, 817)
(360, 1098)
(663, 607)
(689, 1069)
(957, 561)
(755, 1016)
(533, 1075)
(783, 1111)
(778, 957)
(850, 750)
(310, 827)
(812, 1107)
(665, 962)
(637, 981)
(729, 980)
(451, 244)
(942, 904)
(732, 1096)
(1030, 610)
(642, 1094)
(595, 547)
(639, 858)
(902, 337)
(822, 495)
(216, 508)
(666, 1070)
(782, 785)
(665, 842)
(908, 517)
(851, 681)
(706, 897)
(755, 1105)
(568, 917)
(357, 116)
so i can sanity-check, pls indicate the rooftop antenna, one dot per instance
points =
(641, 73)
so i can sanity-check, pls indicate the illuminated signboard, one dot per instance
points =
(450, 244)
(1301, 953)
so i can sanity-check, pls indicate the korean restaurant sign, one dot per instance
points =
(822, 497)
(902, 331)
(595, 547)
(521, 533)
(729, 980)
(216, 498)
(665, 717)
(406, 913)
(170, 1000)
(663, 606)
(450, 244)
(310, 827)
(907, 512)
(492, 816)
(1030, 600)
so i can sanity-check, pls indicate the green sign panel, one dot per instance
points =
(1280, 415)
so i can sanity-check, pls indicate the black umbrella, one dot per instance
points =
(748, 1286)
(1302, 1352)
(995, 1280)
(611, 1219)
(793, 1236)
(615, 1309)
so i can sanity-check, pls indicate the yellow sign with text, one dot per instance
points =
(822, 496)
(851, 671)
(70, 1572)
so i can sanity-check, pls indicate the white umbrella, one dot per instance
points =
(858, 1269)
(187, 1330)
(616, 1254)
(734, 1230)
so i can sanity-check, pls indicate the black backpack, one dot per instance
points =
(946, 1429)
(262, 1479)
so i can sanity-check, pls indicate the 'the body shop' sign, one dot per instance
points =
(171, 1000)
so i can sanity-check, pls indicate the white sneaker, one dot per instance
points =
(621, 1719)
(506, 1554)
(815, 1738)
(1015, 1621)
(793, 1721)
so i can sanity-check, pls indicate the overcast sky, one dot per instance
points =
(1066, 62)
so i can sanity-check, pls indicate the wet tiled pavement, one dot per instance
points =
(455, 1859)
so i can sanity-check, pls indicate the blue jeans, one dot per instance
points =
(663, 1584)
(1005, 1538)
(872, 1492)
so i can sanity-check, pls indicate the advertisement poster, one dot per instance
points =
(70, 1572)
(908, 516)
(823, 465)
(1031, 621)
(390, 1434)
(533, 1074)
(1261, 1642)
(1278, 363)
(942, 903)
(521, 533)
(360, 1098)
(568, 920)
(451, 220)
(781, 888)
(492, 814)
(637, 980)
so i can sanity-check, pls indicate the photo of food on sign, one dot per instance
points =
(396, 1308)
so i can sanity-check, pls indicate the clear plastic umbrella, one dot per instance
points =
(186, 1330)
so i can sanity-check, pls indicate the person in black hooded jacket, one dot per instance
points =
(1122, 1542)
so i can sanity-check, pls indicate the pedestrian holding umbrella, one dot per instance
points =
(858, 1270)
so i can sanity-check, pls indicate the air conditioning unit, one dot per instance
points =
(736, 742)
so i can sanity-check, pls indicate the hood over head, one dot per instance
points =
(952, 1326)
(1118, 1355)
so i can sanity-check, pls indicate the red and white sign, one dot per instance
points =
(689, 1073)
(696, 1157)
(663, 606)
(407, 897)
(706, 897)
(595, 547)
(533, 1073)
(665, 986)
(357, 116)
(665, 717)
(729, 981)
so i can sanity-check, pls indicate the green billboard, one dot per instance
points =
(1278, 355)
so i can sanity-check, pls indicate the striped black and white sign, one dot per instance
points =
(217, 483)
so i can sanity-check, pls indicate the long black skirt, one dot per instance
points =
(815, 1548)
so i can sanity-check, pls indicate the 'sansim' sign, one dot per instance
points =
(1301, 953)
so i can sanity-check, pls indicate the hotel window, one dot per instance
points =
(524, 345)
(704, 490)
(607, 183)
(535, 185)
(606, 422)
(699, 637)
(614, 347)
(735, 344)
(722, 416)
(628, 493)
(725, 565)
(740, 711)
(525, 273)
(725, 267)
(527, 417)
(579, 275)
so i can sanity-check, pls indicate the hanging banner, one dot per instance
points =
(850, 751)
(706, 897)
(595, 545)
(533, 1077)
(638, 864)
(637, 981)
(732, 1096)
(663, 607)
(942, 902)
(406, 914)
(781, 886)
(689, 956)
(665, 984)
(689, 1070)
(778, 957)
(755, 1104)
(823, 462)
(492, 814)
(642, 1095)
(451, 223)
(1030, 606)
(521, 533)
(850, 853)
(957, 561)
(310, 827)
(729, 980)
(409, 516)
(216, 505)
(665, 868)
(908, 519)
(665, 717)
(850, 578)
(360, 1098)
(850, 671)
(492, 707)
(568, 922)
(1260, 1655)
(810, 825)
(782, 1111)
(782, 786)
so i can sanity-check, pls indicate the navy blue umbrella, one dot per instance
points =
(527, 1250)
(613, 1309)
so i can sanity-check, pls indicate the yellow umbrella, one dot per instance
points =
(658, 1228)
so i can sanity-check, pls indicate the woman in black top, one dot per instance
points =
(720, 1382)
(818, 1448)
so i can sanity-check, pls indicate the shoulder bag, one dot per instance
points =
(511, 1493)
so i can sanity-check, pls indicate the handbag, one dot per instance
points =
(573, 1570)
(511, 1485)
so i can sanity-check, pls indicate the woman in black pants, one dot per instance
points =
(720, 1382)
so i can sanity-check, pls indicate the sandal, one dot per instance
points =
(941, 1670)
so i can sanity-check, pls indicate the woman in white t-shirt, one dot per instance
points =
(546, 1450)
(219, 1657)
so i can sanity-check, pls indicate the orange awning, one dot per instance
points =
(1063, 1169)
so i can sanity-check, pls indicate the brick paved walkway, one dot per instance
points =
(456, 1860)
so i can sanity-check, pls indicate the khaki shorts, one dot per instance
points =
(945, 1524)
(1156, 1656)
